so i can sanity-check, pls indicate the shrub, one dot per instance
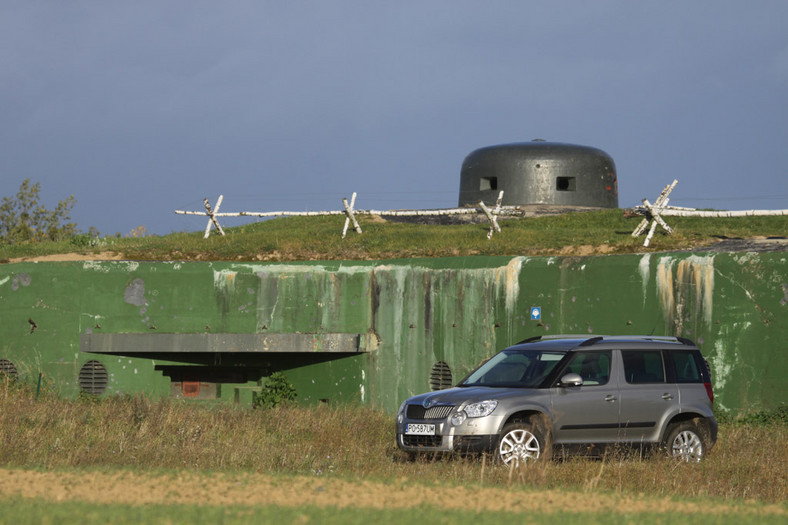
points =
(277, 391)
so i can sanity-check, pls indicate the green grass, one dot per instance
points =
(319, 238)
(20, 511)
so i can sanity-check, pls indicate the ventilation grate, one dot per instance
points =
(436, 412)
(8, 368)
(440, 376)
(93, 378)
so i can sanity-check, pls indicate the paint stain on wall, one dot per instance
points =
(685, 289)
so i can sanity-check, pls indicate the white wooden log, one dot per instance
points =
(662, 200)
(673, 212)
(347, 219)
(655, 215)
(492, 215)
(505, 210)
(638, 231)
(351, 216)
(650, 233)
(212, 217)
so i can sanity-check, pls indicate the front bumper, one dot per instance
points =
(471, 436)
(466, 444)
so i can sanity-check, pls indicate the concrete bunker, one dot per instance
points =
(539, 172)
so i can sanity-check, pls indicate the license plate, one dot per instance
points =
(420, 429)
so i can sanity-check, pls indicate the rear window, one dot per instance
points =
(687, 366)
(643, 366)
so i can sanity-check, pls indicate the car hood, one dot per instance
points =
(460, 395)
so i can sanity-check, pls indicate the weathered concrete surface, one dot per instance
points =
(163, 345)
(371, 332)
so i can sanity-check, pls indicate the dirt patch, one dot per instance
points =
(586, 249)
(66, 257)
(193, 488)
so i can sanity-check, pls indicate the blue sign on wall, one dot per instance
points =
(536, 313)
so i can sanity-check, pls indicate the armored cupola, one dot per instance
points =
(539, 172)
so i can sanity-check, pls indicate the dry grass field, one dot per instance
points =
(127, 438)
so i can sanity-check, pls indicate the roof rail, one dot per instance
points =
(666, 338)
(529, 340)
(565, 336)
(589, 341)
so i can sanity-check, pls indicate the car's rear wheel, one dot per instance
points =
(686, 441)
(520, 443)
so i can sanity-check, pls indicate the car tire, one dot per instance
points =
(685, 441)
(521, 442)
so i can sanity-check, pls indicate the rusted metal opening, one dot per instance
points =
(190, 388)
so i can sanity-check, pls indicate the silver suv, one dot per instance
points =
(552, 395)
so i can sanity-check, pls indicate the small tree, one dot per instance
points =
(24, 219)
(277, 391)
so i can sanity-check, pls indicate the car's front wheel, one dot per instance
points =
(520, 442)
(686, 441)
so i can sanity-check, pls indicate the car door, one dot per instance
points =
(586, 413)
(646, 397)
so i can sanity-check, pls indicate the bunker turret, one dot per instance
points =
(539, 172)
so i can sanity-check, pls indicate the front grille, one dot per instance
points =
(422, 441)
(436, 412)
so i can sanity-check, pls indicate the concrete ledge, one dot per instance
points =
(129, 344)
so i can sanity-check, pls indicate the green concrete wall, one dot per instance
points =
(410, 314)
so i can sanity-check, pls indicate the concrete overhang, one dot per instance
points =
(222, 343)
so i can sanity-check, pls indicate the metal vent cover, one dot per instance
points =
(440, 376)
(93, 378)
(8, 368)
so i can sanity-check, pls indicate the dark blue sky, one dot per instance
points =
(140, 108)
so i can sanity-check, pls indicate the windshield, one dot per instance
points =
(515, 368)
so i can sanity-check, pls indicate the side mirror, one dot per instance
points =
(571, 380)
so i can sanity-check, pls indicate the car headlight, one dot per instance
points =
(401, 412)
(481, 409)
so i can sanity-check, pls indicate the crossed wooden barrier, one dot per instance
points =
(653, 213)
(350, 214)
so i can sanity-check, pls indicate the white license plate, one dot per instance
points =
(420, 429)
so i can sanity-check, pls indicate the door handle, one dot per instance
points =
(667, 396)
(610, 398)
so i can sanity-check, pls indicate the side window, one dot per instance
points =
(686, 366)
(643, 366)
(593, 367)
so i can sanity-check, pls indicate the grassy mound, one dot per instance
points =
(319, 238)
